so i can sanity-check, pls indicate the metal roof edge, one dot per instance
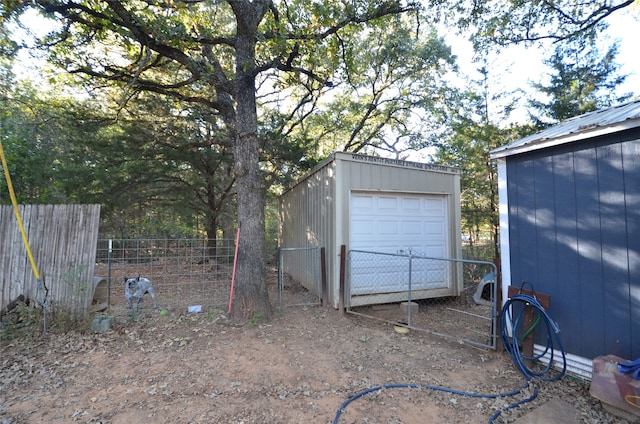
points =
(376, 160)
(589, 125)
(324, 162)
(401, 163)
(537, 144)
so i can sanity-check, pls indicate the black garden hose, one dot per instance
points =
(511, 322)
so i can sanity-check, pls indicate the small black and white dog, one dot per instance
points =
(135, 289)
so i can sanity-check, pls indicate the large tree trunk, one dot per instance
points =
(251, 297)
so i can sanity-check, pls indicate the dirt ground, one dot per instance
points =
(180, 367)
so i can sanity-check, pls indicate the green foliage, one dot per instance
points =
(479, 252)
(30, 321)
(157, 171)
(213, 315)
(62, 318)
(70, 313)
(176, 166)
(30, 131)
(256, 319)
(152, 142)
(474, 133)
(501, 22)
(581, 80)
(23, 325)
(271, 230)
(386, 93)
(8, 50)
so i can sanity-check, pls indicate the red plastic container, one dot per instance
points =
(609, 385)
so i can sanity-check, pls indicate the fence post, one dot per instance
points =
(280, 282)
(109, 252)
(496, 329)
(409, 293)
(323, 275)
(343, 260)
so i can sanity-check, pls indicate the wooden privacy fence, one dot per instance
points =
(63, 240)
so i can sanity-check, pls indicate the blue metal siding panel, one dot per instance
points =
(588, 308)
(575, 234)
(524, 209)
(513, 171)
(615, 274)
(544, 223)
(631, 166)
(545, 220)
(564, 306)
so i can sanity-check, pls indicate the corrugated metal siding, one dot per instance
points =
(364, 173)
(316, 209)
(307, 217)
(574, 233)
(362, 176)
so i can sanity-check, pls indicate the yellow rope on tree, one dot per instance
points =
(14, 202)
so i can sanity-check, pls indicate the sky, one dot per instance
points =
(517, 67)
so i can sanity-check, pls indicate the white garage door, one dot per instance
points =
(397, 224)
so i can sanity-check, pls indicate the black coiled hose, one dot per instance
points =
(511, 321)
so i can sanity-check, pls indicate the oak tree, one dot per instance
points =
(212, 53)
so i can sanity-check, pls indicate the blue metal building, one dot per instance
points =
(570, 226)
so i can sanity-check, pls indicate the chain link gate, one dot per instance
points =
(454, 298)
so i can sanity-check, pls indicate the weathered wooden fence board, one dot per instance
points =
(63, 240)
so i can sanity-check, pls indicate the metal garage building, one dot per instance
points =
(374, 204)
(570, 226)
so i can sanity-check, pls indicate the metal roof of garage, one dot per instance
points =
(601, 122)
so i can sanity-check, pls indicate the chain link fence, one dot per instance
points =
(454, 298)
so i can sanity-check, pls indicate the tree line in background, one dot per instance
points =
(184, 118)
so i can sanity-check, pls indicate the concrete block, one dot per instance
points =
(101, 324)
(555, 411)
(404, 307)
